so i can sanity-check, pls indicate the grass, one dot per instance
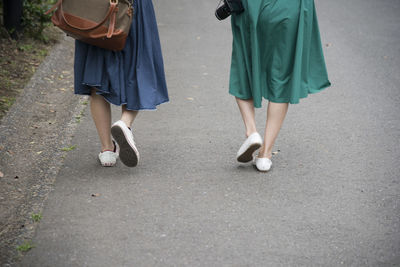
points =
(79, 117)
(6, 102)
(68, 148)
(36, 217)
(26, 246)
(26, 47)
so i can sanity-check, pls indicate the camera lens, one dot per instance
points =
(223, 12)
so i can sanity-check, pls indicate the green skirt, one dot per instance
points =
(277, 52)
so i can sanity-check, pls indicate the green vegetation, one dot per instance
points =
(26, 246)
(25, 47)
(34, 20)
(79, 117)
(36, 217)
(20, 58)
(68, 148)
(6, 101)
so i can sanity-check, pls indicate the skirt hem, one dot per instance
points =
(281, 100)
(128, 108)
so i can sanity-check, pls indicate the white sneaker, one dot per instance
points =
(262, 164)
(128, 152)
(252, 143)
(108, 158)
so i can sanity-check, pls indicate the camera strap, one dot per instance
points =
(219, 4)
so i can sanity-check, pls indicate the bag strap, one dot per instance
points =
(111, 25)
(111, 12)
(53, 7)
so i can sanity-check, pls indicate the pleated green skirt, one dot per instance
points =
(277, 52)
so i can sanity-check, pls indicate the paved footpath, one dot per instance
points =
(331, 199)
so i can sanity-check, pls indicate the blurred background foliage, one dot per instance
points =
(34, 21)
(22, 51)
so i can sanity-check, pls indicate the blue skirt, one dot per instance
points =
(134, 76)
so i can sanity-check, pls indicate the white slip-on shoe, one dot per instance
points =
(262, 164)
(252, 143)
(128, 152)
(109, 158)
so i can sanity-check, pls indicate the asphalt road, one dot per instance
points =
(331, 199)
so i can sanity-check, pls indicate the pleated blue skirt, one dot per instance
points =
(134, 76)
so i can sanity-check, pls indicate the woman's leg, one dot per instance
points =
(128, 116)
(246, 108)
(253, 140)
(101, 114)
(276, 113)
(120, 130)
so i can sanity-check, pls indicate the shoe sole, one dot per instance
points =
(255, 167)
(127, 154)
(247, 156)
(107, 165)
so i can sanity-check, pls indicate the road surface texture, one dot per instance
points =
(332, 198)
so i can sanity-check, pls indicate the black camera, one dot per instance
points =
(229, 7)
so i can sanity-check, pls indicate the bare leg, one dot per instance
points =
(128, 153)
(101, 114)
(128, 116)
(276, 113)
(248, 115)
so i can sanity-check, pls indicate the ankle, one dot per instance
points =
(112, 147)
(127, 123)
(263, 153)
(248, 133)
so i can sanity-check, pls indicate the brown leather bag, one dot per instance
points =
(103, 23)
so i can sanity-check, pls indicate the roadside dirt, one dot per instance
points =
(41, 122)
(19, 60)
